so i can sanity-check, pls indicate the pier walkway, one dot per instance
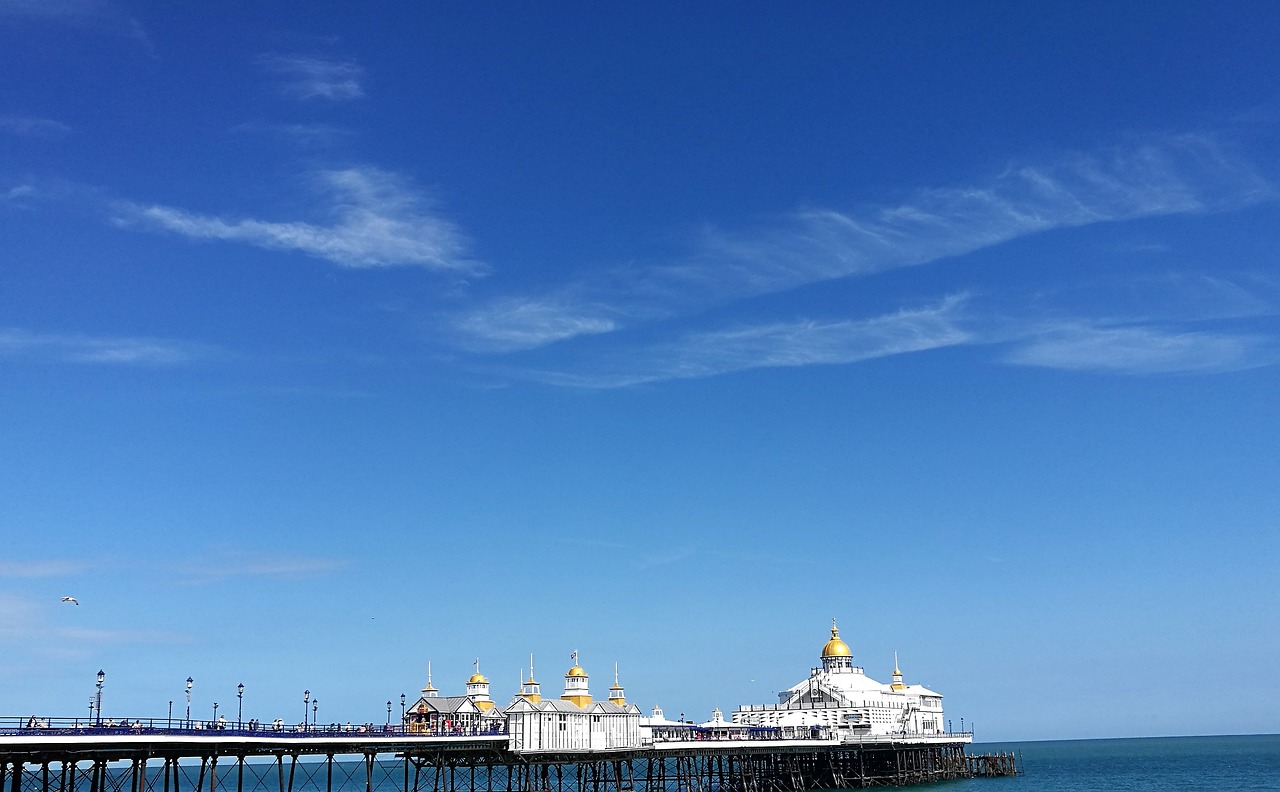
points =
(141, 757)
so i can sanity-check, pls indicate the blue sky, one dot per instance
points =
(333, 342)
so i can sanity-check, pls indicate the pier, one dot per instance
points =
(143, 758)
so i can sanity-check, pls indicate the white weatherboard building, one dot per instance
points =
(574, 722)
(840, 695)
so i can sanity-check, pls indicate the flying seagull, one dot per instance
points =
(72, 600)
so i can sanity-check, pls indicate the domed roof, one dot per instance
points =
(477, 679)
(836, 647)
(577, 671)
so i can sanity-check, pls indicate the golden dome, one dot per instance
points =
(477, 679)
(836, 647)
(577, 671)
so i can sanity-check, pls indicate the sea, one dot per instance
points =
(1151, 764)
(1155, 764)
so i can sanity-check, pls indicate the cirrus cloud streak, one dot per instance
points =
(375, 220)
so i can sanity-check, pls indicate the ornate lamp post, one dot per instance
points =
(169, 724)
(215, 714)
(402, 710)
(388, 713)
(90, 720)
(239, 705)
(190, 682)
(315, 709)
(101, 676)
(306, 699)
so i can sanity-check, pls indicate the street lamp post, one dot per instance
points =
(315, 709)
(402, 709)
(169, 724)
(239, 705)
(101, 676)
(190, 682)
(306, 699)
(388, 714)
(90, 720)
(215, 714)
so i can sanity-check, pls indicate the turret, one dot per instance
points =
(616, 694)
(478, 689)
(531, 691)
(836, 655)
(430, 690)
(575, 684)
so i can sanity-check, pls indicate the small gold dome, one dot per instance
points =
(477, 679)
(836, 647)
(577, 671)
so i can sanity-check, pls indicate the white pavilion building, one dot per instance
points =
(840, 695)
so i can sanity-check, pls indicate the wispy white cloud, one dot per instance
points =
(305, 135)
(20, 191)
(39, 629)
(1171, 339)
(305, 77)
(99, 15)
(32, 127)
(42, 568)
(773, 345)
(217, 566)
(1179, 175)
(375, 220)
(1143, 350)
(77, 348)
(526, 322)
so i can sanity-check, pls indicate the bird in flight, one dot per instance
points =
(72, 600)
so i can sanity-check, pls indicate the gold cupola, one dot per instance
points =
(478, 689)
(836, 647)
(897, 675)
(575, 685)
(836, 655)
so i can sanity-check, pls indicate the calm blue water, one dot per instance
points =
(1157, 763)
(1161, 764)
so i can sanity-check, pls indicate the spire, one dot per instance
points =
(531, 691)
(616, 693)
(897, 674)
(430, 690)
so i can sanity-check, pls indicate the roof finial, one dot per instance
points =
(532, 676)
(895, 663)
(615, 672)
(428, 673)
(476, 663)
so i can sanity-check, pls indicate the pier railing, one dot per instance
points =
(181, 727)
